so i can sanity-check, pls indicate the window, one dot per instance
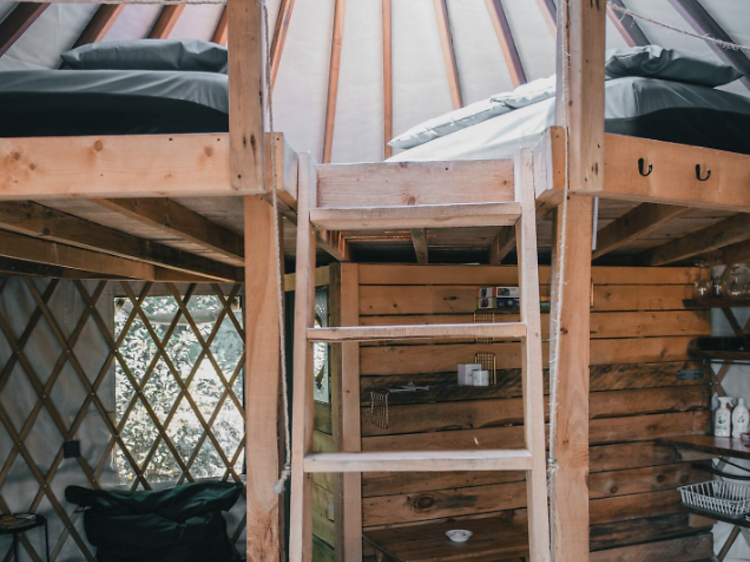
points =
(190, 371)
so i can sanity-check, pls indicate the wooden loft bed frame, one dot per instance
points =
(89, 205)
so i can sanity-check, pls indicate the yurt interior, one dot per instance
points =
(374, 280)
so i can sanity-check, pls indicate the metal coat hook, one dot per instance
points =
(642, 165)
(698, 173)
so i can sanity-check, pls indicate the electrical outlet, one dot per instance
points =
(71, 449)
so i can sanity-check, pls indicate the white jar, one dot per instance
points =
(481, 378)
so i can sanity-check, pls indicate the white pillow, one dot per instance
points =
(478, 112)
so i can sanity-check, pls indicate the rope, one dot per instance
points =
(729, 45)
(278, 487)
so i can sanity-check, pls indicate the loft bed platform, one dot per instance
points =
(172, 198)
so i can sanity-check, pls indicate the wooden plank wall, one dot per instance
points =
(640, 332)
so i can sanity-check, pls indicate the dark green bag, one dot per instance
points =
(181, 524)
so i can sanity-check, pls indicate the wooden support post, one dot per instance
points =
(345, 403)
(246, 84)
(262, 384)
(580, 109)
(300, 510)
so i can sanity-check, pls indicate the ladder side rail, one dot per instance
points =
(300, 527)
(532, 373)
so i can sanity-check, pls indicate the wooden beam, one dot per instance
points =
(17, 22)
(333, 78)
(264, 506)
(730, 231)
(176, 220)
(627, 26)
(166, 21)
(345, 411)
(421, 245)
(580, 90)
(700, 20)
(32, 219)
(220, 33)
(131, 166)
(300, 511)
(99, 25)
(26, 248)
(414, 183)
(449, 52)
(637, 223)
(387, 77)
(334, 243)
(580, 109)
(286, 7)
(549, 12)
(246, 71)
(507, 43)
(503, 244)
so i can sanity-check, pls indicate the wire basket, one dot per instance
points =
(718, 497)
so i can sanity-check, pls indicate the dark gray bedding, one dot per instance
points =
(111, 102)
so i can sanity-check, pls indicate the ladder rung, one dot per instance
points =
(505, 330)
(420, 461)
(416, 216)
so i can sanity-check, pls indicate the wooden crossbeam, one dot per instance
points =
(449, 52)
(421, 245)
(100, 24)
(32, 219)
(17, 22)
(637, 223)
(503, 244)
(730, 231)
(284, 17)
(176, 220)
(387, 77)
(220, 33)
(334, 69)
(507, 43)
(700, 20)
(166, 21)
(26, 248)
(627, 26)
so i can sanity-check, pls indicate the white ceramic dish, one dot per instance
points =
(459, 535)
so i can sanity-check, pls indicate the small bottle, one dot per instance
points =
(723, 418)
(739, 419)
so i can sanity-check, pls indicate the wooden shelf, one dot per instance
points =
(719, 446)
(716, 302)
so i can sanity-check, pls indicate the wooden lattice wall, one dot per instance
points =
(59, 349)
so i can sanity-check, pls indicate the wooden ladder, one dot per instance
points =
(305, 462)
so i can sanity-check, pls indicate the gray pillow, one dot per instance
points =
(652, 61)
(149, 54)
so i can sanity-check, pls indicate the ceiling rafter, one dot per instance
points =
(449, 52)
(166, 21)
(719, 235)
(26, 248)
(179, 221)
(636, 223)
(100, 24)
(387, 77)
(627, 26)
(17, 22)
(280, 31)
(421, 244)
(700, 20)
(549, 11)
(32, 219)
(507, 43)
(220, 34)
(333, 78)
